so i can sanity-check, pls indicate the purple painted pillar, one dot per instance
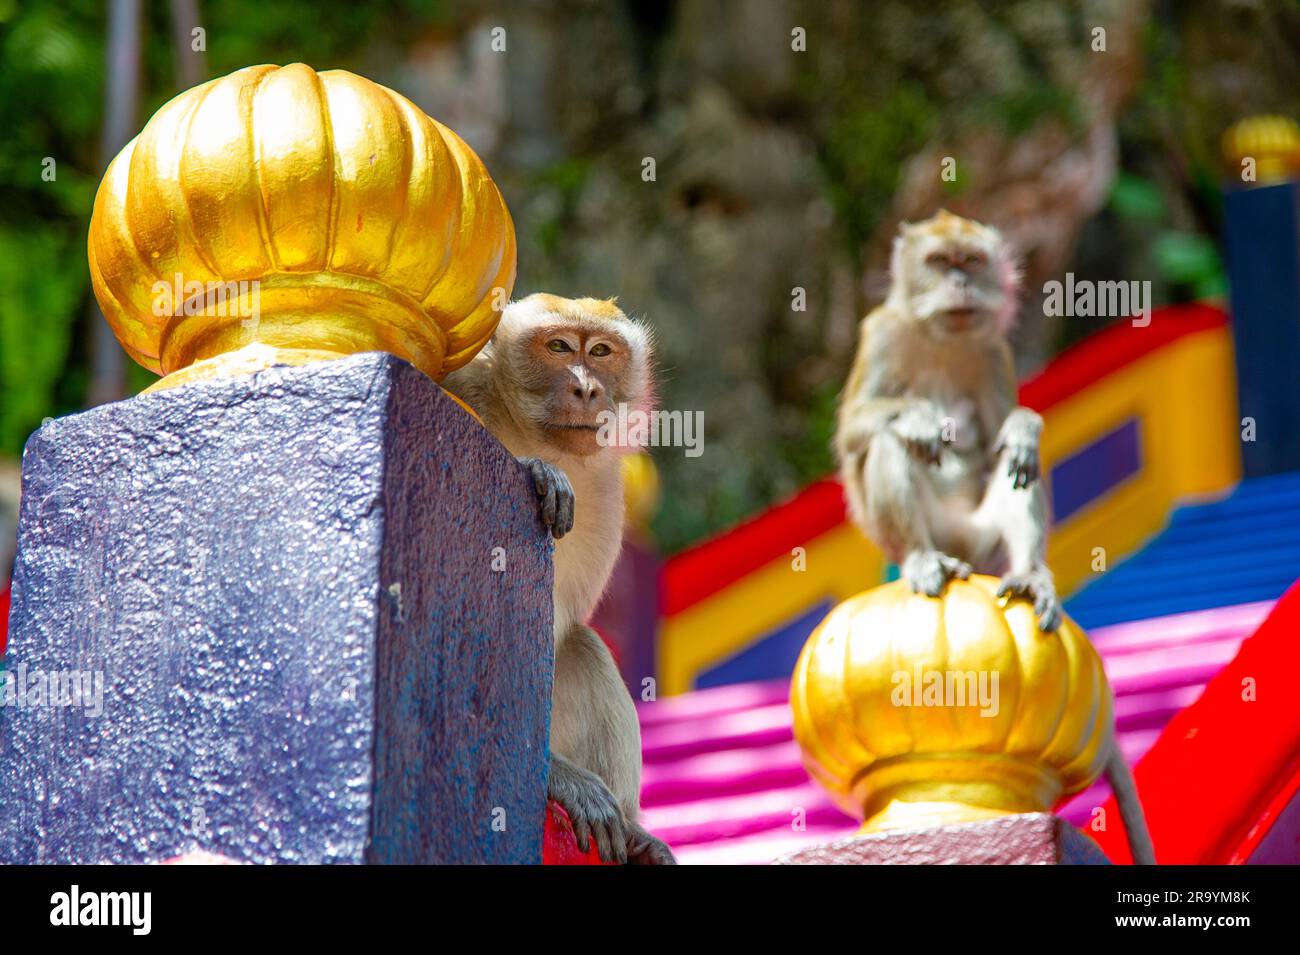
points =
(268, 618)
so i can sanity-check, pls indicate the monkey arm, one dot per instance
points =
(861, 420)
(1017, 445)
(873, 399)
(916, 421)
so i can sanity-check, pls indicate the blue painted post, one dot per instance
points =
(302, 616)
(1262, 234)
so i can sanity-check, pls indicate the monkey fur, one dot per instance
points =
(551, 367)
(939, 464)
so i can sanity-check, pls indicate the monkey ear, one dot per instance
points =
(1010, 264)
(898, 254)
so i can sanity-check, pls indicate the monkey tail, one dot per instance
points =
(1130, 809)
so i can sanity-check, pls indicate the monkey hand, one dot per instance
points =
(928, 571)
(921, 427)
(555, 493)
(592, 808)
(1017, 446)
(1036, 585)
(645, 849)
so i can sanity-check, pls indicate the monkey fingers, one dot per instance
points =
(928, 571)
(1047, 608)
(594, 811)
(929, 451)
(921, 429)
(1022, 465)
(555, 493)
(925, 448)
(1018, 443)
(1038, 587)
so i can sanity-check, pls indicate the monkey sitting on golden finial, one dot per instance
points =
(941, 469)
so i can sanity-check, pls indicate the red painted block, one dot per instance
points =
(1225, 767)
(4, 618)
(559, 845)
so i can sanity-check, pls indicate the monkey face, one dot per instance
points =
(562, 365)
(573, 373)
(957, 276)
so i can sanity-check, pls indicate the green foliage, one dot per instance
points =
(51, 76)
(1017, 111)
(879, 83)
(862, 148)
(52, 63)
(808, 451)
(324, 35)
(1133, 197)
(1186, 258)
(42, 282)
(563, 181)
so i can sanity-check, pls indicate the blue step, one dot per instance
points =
(1241, 549)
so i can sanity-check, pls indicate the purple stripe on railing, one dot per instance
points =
(761, 726)
(1181, 628)
(722, 699)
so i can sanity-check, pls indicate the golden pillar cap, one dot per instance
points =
(1272, 141)
(280, 215)
(640, 490)
(916, 711)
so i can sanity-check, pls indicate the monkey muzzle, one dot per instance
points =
(961, 319)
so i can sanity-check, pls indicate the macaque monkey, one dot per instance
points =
(552, 366)
(940, 466)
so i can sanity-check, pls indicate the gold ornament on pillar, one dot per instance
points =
(282, 216)
(640, 492)
(1271, 144)
(915, 711)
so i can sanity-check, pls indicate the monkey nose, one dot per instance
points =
(587, 392)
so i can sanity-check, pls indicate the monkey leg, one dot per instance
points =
(905, 516)
(1010, 528)
(596, 750)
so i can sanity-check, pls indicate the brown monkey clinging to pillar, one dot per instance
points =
(540, 385)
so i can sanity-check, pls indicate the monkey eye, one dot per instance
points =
(558, 345)
(600, 350)
(975, 260)
(937, 259)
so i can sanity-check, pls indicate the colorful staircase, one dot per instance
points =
(1241, 549)
(723, 780)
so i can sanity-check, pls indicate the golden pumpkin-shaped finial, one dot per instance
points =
(917, 711)
(640, 490)
(280, 214)
(1272, 142)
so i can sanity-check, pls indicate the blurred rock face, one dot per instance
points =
(651, 157)
(741, 193)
